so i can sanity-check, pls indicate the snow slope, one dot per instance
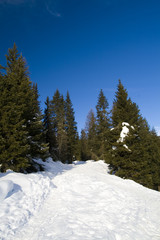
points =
(76, 202)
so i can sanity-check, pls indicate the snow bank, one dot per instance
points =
(21, 196)
(76, 202)
(6, 187)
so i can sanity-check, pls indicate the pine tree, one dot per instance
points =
(84, 151)
(137, 156)
(120, 105)
(13, 131)
(18, 111)
(50, 137)
(155, 159)
(124, 114)
(71, 130)
(124, 110)
(140, 157)
(58, 118)
(128, 155)
(91, 134)
(103, 126)
(38, 147)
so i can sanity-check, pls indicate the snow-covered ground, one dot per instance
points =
(76, 202)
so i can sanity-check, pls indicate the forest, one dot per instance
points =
(27, 134)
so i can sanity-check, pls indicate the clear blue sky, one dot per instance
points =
(85, 45)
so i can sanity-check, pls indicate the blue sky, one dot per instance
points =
(86, 45)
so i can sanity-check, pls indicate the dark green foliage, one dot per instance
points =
(84, 151)
(13, 132)
(97, 132)
(103, 126)
(50, 137)
(128, 155)
(124, 110)
(17, 112)
(91, 135)
(60, 128)
(71, 130)
(58, 119)
(36, 140)
(137, 157)
(155, 159)
(142, 156)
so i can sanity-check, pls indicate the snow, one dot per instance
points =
(124, 132)
(80, 201)
(6, 188)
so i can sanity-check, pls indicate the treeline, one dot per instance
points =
(132, 154)
(26, 134)
(60, 128)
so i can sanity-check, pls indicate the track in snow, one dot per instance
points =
(88, 204)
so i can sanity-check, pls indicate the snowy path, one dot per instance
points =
(88, 204)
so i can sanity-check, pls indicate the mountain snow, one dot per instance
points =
(80, 201)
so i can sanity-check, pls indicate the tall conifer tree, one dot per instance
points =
(58, 118)
(16, 114)
(13, 132)
(124, 110)
(50, 137)
(71, 129)
(91, 133)
(103, 125)
(84, 151)
(134, 157)
(38, 147)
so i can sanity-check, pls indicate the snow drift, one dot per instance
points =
(76, 202)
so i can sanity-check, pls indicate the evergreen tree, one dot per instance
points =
(141, 157)
(91, 134)
(84, 152)
(103, 126)
(13, 131)
(50, 137)
(58, 118)
(137, 155)
(120, 105)
(125, 114)
(38, 147)
(130, 155)
(16, 115)
(155, 159)
(60, 127)
(124, 110)
(71, 130)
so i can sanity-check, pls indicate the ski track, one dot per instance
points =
(89, 206)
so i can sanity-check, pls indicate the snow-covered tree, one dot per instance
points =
(135, 156)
